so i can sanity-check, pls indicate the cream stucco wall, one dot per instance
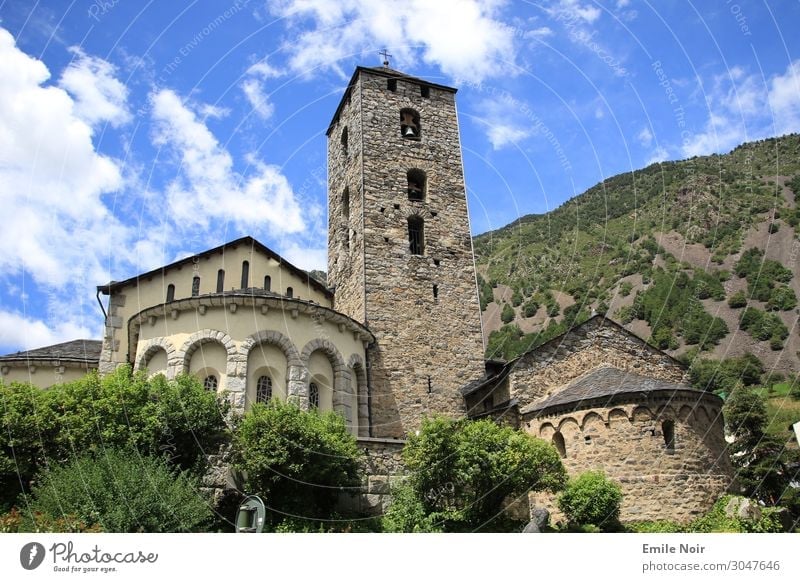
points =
(42, 375)
(147, 292)
(239, 337)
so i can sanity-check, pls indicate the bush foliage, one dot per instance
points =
(297, 461)
(121, 492)
(591, 499)
(176, 419)
(463, 472)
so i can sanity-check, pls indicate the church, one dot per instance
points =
(395, 334)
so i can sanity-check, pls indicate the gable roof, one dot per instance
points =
(604, 382)
(245, 240)
(381, 72)
(499, 376)
(80, 350)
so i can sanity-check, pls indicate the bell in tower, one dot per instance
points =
(407, 271)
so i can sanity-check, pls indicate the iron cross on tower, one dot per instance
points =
(386, 56)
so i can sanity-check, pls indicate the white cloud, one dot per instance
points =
(207, 186)
(258, 99)
(503, 122)
(657, 156)
(738, 112)
(26, 333)
(574, 11)
(264, 70)
(57, 227)
(645, 137)
(305, 257)
(465, 38)
(99, 96)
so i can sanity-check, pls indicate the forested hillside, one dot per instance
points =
(698, 256)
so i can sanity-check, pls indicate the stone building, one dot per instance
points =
(50, 365)
(397, 336)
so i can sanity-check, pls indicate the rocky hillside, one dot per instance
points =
(697, 256)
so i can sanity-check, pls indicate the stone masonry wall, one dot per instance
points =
(428, 344)
(543, 371)
(627, 442)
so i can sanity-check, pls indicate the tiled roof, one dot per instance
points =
(81, 350)
(604, 382)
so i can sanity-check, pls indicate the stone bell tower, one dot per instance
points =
(399, 245)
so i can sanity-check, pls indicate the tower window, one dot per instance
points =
(416, 235)
(264, 389)
(245, 274)
(289, 292)
(220, 281)
(346, 203)
(416, 184)
(435, 291)
(267, 283)
(409, 124)
(668, 430)
(170, 292)
(424, 91)
(313, 396)
(210, 383)
(195, 286)
(344, 141)
(391, 84)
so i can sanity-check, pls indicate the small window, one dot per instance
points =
(170, 292)
(409, 124)
(245, 274)
(560, 445)
(416, 184)
(346, 203)
(220, 281)
(587, 439)
(210, 383)
(264, 389)
(416, 235)
(344, 141)
(195, 286)
(267, 283)
(313, 396)
(668, 430)
(435, 291)
(289, 292)
(391, 84)
(424, 91)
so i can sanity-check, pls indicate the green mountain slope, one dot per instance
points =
(664, 250)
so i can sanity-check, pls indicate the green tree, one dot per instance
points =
(507, 315)
(591, 499)
(762, 461)
(462, 473)
(298, 461)
(177, 419)
(122, 492)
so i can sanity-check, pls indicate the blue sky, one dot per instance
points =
(133, 133)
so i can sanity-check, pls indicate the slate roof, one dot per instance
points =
(603, 383)
(498, 375)
(81, 350)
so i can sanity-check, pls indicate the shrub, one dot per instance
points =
(530, 308)
(298, 461)
(782, 298)
(737, 300)
(177, 419)
(507, 315)
(462, 472)
(122, 492)
(591, 499)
